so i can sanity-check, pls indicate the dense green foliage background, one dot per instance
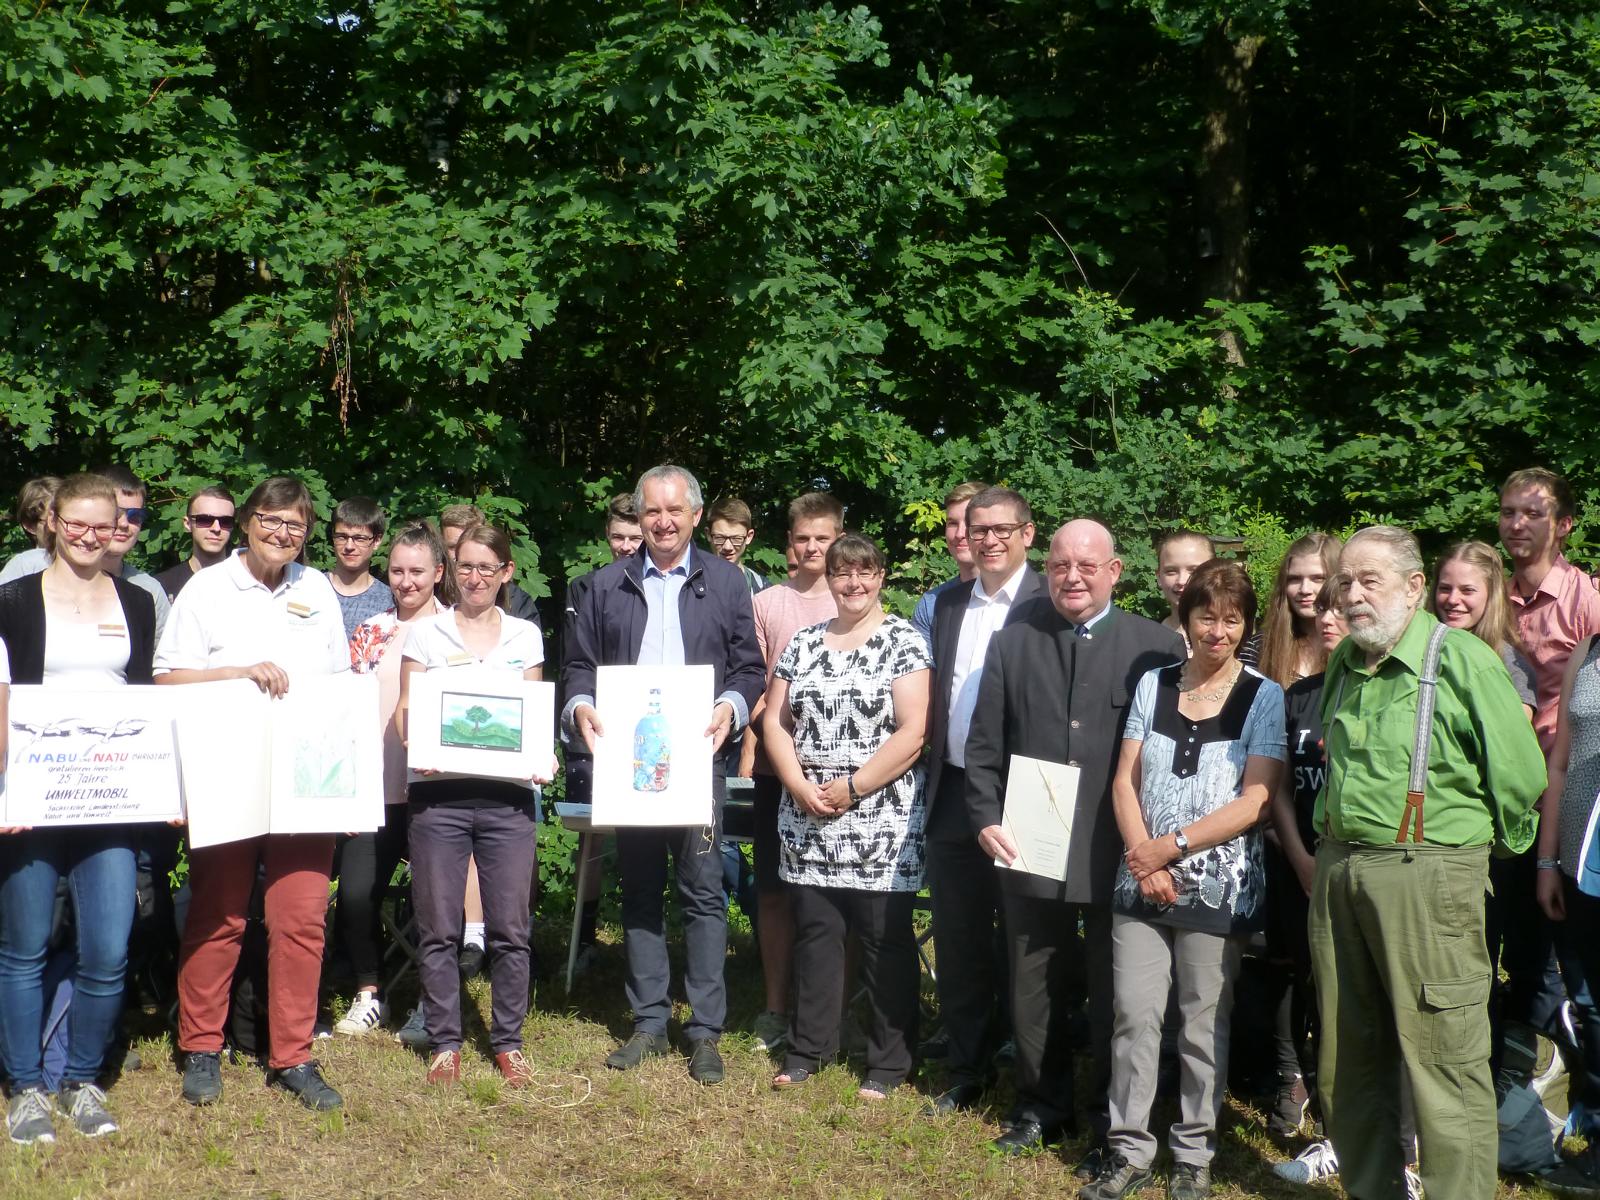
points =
(1251, 265)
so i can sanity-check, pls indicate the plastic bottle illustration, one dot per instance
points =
(652, 748)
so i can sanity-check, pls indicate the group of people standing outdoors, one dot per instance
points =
(1390, 780)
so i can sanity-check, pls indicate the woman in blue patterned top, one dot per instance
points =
(1201, 756)
(846, 716)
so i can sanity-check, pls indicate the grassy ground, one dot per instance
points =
(583, 1131)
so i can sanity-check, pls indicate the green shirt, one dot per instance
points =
(1485, 770)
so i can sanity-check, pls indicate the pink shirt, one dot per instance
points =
(782, 612)
(1561, 613)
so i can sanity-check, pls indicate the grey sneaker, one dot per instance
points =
(85, 1106)
(1119, 1179)
(28, 1118)
(1188, 1182)
(771, 1031)
(414, 1033)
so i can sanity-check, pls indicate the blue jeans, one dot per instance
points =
(98, 864)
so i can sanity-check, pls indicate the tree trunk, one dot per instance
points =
(1223, 197)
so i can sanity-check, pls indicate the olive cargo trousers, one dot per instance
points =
(1402, 970)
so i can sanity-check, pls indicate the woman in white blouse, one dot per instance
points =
(454, 819)
(258, 615)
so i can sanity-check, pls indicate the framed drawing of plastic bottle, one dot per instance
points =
(652, 765)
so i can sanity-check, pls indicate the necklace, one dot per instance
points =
(1222, 689)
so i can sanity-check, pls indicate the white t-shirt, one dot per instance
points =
(436, 643)
(32, 562)
(226, 617)
(86, 654)
(5, 662)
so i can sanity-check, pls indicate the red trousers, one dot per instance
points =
(220, 880)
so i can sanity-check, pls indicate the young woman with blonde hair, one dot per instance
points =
(1470, 593)
(1291, 648)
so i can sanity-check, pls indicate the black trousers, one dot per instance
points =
(964, 888)
(1521, 941)
(1046, 950)
(881, 921)
(365, 866)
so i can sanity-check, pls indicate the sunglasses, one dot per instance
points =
(133, 516)
(207, 520)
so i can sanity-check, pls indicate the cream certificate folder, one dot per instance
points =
(1041, 797)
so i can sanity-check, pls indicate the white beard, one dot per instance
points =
(1379, 634)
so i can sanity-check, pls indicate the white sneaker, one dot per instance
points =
(1316, 1161)
(366, 1013)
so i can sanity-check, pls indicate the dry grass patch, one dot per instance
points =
(582, 1131)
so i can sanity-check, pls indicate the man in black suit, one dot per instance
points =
(961, 880)
(1056, 685)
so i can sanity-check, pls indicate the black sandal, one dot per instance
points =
(790, 1077)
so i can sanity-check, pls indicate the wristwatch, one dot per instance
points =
(850, 783)
(1181, 842)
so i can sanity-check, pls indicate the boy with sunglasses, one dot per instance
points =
(208, 521)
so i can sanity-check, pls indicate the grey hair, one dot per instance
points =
(1400, 543)
(669, 471)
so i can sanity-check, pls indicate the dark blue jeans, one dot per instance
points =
(98, 864)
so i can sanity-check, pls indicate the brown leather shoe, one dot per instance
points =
(445, 1067)
(514, 1069)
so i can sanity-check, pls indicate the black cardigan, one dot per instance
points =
(22, 627)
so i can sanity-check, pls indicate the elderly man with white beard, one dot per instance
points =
(1397, 904)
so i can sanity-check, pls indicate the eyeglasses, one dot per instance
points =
(733, 540)
(1087, 570)
(207, 520)
(855, 576)
(295, 529)
(355, 539)
(481, 570)
(133, 516)
(978, 533)
(76, 529)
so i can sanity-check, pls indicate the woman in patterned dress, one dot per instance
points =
(846, 717)
(1201, 756)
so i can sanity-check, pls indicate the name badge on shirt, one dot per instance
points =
(303, 611)
(109, 630)
(459, 660)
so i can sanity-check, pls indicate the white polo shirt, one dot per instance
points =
(226, 617)
(436, 643)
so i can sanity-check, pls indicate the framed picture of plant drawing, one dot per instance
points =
(471, 721)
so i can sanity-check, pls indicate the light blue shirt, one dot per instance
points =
(922, 615)
(663, 625)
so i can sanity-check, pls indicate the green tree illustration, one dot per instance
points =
(477, 714)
